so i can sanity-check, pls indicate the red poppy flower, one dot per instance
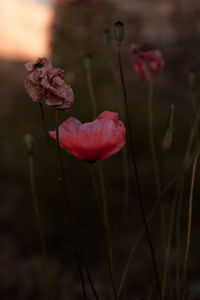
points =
(43, 81)
(92, 141)
(147, 60)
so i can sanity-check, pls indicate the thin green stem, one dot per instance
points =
(189, 222)
(107, 233)
(134, 165)
(178, 235)
(173, 211)
(38, 222)
(151, 138)
(91, 90)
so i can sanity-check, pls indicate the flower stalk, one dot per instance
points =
(189, 222)
(107, 232)
(134, 165)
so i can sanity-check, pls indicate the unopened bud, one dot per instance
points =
(119, 31)
(87, 60)
(29, 144)
(168, 138)
(106, 36)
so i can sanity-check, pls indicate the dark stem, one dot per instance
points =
(132, 148)
(107, 233)
(67, 204)
(44, 123)
(59, 152)
(189, 222)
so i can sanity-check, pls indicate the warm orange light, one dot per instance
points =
(25, 30)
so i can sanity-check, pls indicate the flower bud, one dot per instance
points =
(106, 36)
(29, 144)
(119, 31)
(168, 138)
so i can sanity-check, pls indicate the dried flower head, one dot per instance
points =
(43, 81)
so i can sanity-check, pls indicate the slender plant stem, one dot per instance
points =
(94, 110)
(63, 189)
(67, 204)
(178, 234)
(90, 87)
(46, 130)
(132, 148)
(44, 123)
(107, 233)
(124, 150)
(59, 151)
(87, 272)
(173, 211)
(80, 271)
(192, 135)
(189, 222)
(151, 138)
(135, 244)
(38, 222)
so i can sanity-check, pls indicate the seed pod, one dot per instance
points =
(119, 31)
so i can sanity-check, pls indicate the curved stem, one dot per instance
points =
(38, 222)
(151, 137)
(107, 233)
(134, 165)
(189, 222)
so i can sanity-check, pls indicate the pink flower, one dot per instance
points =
(92, 141)
(43, 81)
(147, 60)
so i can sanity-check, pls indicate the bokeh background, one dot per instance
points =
(65, 31)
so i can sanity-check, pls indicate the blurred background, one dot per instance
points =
(65, 31)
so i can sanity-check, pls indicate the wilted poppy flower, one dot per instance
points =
(43, 81)
(147, 60)
(92, 141)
